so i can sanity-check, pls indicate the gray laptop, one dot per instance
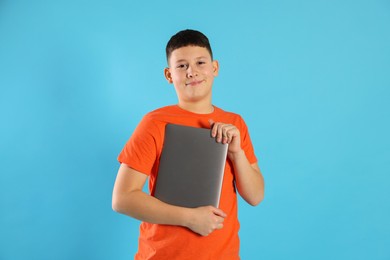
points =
(191, 167)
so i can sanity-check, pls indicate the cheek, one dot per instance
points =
(177, 80)
(177, 77)
(210, 72)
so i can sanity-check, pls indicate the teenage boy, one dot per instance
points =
(171, 232)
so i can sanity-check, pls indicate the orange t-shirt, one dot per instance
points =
(142, 153)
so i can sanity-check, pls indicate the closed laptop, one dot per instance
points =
(191, 167)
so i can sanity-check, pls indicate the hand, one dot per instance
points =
(226, 134)
(205, 220)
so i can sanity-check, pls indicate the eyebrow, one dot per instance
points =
(197, 58)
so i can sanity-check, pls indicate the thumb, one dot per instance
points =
(211, 121)
(219, 212)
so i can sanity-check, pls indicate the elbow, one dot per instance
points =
(122, 203)
(116, 204)
(255, 200)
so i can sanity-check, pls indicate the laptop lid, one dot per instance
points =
(191, 167)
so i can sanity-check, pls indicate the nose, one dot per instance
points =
(191, 72)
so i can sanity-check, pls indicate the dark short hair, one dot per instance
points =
(187, 38)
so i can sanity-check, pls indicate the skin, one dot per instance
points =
(192, 71)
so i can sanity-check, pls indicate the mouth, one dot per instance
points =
(194, 83)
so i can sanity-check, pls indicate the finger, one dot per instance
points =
(225, 129)
(220, 132)
(214, 127)
(216, 131)
(220, 226)
(219, 212)
(230, 132)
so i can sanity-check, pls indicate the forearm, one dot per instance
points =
(249, 180)
(129, 199)
(144, 207)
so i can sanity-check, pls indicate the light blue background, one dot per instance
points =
(311, 79)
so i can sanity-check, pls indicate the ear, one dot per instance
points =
(215, 68)
(168, 76)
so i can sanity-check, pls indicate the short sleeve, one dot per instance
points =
(140, 151)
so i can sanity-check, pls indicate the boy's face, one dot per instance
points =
(192, 72)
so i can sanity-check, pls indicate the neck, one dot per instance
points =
(197, 108)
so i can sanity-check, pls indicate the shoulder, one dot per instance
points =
(154, 121)
(159, 113)
(234, 119)
(229, 116)
(156, 115)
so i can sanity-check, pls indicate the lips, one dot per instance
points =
(194, 83)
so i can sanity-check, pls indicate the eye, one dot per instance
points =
(201, 62)
(182, 66)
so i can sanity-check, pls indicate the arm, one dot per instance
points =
(249, 180)
(129, 199)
